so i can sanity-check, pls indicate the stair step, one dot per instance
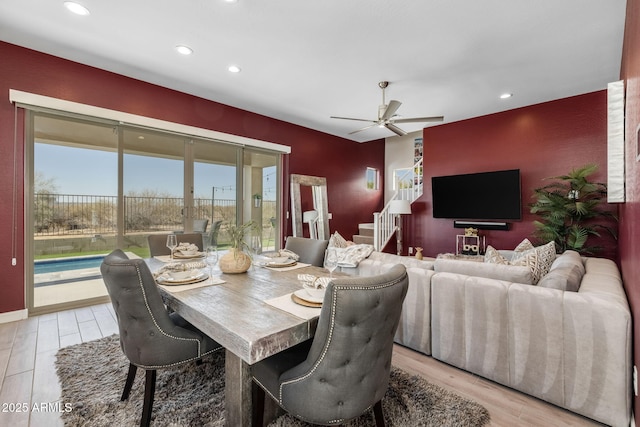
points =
(365, 229)
(362, 240)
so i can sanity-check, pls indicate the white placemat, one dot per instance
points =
(293, 267)
(163, 258)
(285, 303)
(178, 288)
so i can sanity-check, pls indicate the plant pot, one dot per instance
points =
(235, 261)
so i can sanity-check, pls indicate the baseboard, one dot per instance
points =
(14, 316)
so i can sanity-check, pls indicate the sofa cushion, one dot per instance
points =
(568, 258)
(510, 273)
(564, 278)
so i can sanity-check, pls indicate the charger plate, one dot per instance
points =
(301, 301)
(163, 280)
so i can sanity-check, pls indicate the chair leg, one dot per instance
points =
(149, 391)
(127, 385)
(377, 410)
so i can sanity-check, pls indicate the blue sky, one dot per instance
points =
(94, 172)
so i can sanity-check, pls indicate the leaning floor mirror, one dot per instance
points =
(318, 221)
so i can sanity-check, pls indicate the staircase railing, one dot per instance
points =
(409, 186)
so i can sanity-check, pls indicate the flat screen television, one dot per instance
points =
(478, 196)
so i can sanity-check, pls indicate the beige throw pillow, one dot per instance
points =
(492, 256)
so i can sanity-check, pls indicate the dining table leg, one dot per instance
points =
(237, 387)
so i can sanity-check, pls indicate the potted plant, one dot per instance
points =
(571, 210)
(237, 260)
(257, 199)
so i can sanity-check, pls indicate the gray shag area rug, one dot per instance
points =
(92, 375)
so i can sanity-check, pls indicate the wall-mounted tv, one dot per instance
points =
(478, 196)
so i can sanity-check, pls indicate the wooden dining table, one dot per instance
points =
(235, 314)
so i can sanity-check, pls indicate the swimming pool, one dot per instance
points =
(66, 264)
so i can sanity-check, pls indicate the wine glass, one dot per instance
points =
(211, 259)
(331, 260)
(256, 244)
(172, 243)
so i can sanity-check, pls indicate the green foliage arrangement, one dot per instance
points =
(571, 210)
(237, 234)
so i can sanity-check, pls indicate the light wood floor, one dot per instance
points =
(28, 349)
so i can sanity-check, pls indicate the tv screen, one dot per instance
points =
(478, 196)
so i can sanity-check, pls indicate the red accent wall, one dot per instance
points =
(542, 140)
(341, 161)
(629, 242)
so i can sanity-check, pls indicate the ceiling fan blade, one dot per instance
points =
(395, 129)
(364, 128)
(420, 119)
(351, 118)
(391, 109)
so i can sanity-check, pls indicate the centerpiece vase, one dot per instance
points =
(235, 261)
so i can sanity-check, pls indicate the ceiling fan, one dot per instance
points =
(387, 117)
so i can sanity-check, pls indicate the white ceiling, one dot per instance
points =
(303, 61)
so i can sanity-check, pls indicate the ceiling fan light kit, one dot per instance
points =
(387, 116)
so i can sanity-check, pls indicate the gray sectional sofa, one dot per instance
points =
(572, 349)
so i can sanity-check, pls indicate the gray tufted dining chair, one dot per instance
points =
(311, 251)
(150, 337)
(158, 242)
(344, 370)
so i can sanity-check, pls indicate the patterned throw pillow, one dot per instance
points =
(491, 255)
(337, 241)
(520, 252)
(537, 259)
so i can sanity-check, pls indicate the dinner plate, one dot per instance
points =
(304, 295)
(178, 255)
(197, 277)
(287, 263)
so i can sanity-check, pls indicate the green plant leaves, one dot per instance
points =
(569, 210)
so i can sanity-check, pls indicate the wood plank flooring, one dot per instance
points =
(28, 349)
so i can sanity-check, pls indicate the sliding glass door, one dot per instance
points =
(99, 185)
(72, 208)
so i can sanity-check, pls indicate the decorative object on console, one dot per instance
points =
(398, 208)
(468, 232)
(571, 211)
(418, 253)
(237, 260)
(470, 244)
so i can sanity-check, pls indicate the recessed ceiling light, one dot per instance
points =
(506, 95)
(231, 1)
(185, 50)
(234, 69)
(76, 8)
